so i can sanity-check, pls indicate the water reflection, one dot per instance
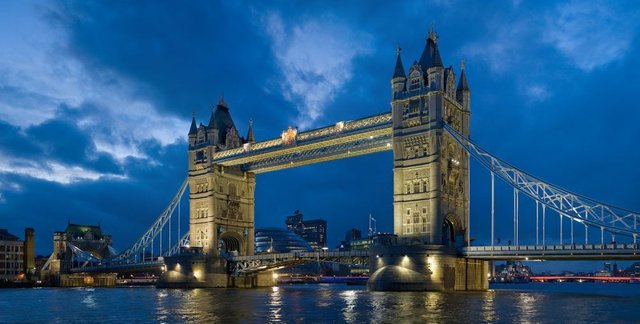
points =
(488, 307)
(275, 305)
(526, 307)
(378, 305)
(350, 298)
(320, 303)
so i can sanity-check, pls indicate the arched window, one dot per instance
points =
(414, 82)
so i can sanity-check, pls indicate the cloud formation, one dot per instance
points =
(41, 82)
(315, 58)
(590, 34)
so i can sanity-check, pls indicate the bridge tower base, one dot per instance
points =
(203, 271)
(425, 268)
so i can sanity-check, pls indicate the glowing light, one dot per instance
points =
(526, 258)
(275, 276)
(388, 144)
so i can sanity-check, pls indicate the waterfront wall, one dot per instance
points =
(86, 280)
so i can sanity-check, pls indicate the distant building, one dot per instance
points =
(313, 231)
(11, 256)
(277, 240)
(88, 238)
(353, 234)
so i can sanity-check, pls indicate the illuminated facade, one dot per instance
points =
(221, 198)
(11, 256)
(431, 172)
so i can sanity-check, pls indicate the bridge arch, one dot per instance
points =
(450, 230)
(231, 243)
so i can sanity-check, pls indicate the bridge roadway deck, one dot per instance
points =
(265, 262)
(245, 264)
(615, 251)
(138, 266)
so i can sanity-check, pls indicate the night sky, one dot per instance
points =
(96, 100)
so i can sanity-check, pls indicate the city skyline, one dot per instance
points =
(555, 99)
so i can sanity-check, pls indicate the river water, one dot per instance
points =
(325, 303)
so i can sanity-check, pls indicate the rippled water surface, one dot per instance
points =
(566, 302)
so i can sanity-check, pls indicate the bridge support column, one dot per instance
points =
(425, 268)
(194, 270)
(262, 279)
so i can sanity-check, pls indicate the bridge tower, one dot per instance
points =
(430, 181)
(431, 172)
(221, 199)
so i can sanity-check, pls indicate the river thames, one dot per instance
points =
(534, 302)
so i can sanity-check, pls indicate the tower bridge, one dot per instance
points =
(428, 130)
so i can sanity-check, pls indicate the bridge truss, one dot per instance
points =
(145, 253)
(576, 208)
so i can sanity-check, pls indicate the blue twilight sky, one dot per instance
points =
(96, 100)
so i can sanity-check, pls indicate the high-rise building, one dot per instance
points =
(11, 256)
(352, 234)
(313, 231)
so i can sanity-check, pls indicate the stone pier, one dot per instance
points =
(425, 268)
(202, 271)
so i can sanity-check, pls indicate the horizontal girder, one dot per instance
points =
(345, 139)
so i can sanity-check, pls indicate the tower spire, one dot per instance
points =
(194, 129)
(399, 70)
(221, 100)
(250, 137)
(462, 83)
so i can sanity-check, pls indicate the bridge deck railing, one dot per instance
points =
(302, 255)
(553, 247)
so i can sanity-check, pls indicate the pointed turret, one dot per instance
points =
(194, 129)
(399, 79)
(427, 54)
(398, 72)
(463, 94)
(220, 123)
(250, 137)
(462, 83)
